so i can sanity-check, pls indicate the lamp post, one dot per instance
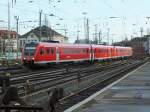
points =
(108, 30)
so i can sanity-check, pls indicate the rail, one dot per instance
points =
(21, 108)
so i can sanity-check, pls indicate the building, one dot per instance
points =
(8, 44)
(140, 45)
(147, 44)
(41, 34)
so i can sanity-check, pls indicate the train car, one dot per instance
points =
(28, 53)
(122, 52)
(42, 53)
(101, 52)
(113, 52)
(74, 52)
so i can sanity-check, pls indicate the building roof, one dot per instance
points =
(45, 32)
(4, 33)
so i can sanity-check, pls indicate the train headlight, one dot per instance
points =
(33, 58)
(24, 58)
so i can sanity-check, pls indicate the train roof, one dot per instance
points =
(105, 46)
(63, 45)
(46, 44)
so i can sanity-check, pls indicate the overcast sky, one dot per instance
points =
(131, 15)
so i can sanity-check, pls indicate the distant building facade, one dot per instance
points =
(140, 45)
(8, 43)
(41, 34)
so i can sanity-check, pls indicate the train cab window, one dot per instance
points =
(87, 51)
(48, 51)
(42, 51)
(52, 50)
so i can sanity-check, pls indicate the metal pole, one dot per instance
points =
(78, 36)
(65, 32)
(108, 35)
(40, 24)
(17, 19)
(99, 35)
(140, 41)
(95, 39)
(8, 24)
(87, 30)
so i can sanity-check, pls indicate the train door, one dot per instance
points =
(47, 54)
(109, 50)
(57, 54)
(92, 54)
(41, 56)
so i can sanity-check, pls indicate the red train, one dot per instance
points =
(41, 53)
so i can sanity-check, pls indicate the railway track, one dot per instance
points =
(93, 78)
(19, 70)
(104, 77)
(12, 69)
(46, 80)
(19, 79)
(107, 79)
(43, 70)
(49, 79)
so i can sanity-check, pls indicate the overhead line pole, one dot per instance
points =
(95, 39)
(108, 35)
(8, 34)
(17, 19)
(40, 23)
(99, 35)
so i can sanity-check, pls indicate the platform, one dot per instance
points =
(131, 93)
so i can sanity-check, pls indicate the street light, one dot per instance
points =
(31, 1)
(51, 15)
(108, 30)
(113, 17)
(57, 24)
(84, 13)
(86, 27)
(61, 19)
(147, 25)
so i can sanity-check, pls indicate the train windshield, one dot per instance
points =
(30, 49)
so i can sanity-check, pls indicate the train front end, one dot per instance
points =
(28, 54)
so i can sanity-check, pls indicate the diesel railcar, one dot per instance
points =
(43, 52)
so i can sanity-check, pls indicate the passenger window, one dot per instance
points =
(52, 50)
(87, 51)
(84, 50)
(42, 51)
(48, 51)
